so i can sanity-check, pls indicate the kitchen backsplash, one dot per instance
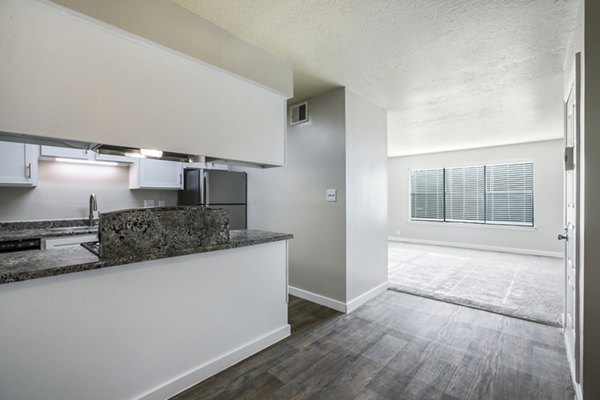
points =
(63, 192)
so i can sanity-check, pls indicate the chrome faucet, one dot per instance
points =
(93, 207)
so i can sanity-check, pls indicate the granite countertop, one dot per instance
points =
(47, 228)
(32, 264)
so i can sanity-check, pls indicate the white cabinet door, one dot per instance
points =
(64, 152)
(18, 164)
(156, 174)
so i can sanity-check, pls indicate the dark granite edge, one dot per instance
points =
(232, 244)
(44, 224)
(45, 233)
(241, 238)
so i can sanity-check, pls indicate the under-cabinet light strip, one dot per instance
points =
(75, 161)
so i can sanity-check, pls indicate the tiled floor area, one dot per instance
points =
(399, 346)
(524, 286)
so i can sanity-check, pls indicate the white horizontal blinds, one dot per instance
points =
(465, 197)
(427, 194)
(509, 194)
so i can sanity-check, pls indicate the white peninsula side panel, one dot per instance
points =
(67, 76)
(145, 330)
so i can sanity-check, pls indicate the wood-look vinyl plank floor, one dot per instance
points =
(399, 346)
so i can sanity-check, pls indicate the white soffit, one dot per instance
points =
(453, 74)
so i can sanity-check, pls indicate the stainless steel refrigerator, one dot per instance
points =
(219, 189)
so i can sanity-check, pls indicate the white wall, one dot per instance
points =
(339, 250)
(64, 189)
(366, 196)
(292, 199)
(144, 330)
(548, 199)
(173, 26)
(90, 82)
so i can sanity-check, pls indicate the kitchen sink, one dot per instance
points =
(92, 247)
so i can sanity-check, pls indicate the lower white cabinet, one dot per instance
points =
(18, 164)
(146, 173)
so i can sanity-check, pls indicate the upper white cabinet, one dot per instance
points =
(91, 82)
(64, 152)
(155, 174)
(18, 164)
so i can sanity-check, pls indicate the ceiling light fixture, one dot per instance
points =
(151, 153)
(91, 162)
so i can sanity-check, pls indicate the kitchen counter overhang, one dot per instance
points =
(33, 264)
(143, 330)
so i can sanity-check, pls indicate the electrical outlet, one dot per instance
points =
(148, 203)
(161, 203)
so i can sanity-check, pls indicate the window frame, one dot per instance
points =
(485, 222)
(410, 171)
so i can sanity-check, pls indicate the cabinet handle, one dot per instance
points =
(180, 179)
(28, 171)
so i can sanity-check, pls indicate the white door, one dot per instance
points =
(570, 235)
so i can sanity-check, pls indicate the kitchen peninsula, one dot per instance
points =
(153, 324)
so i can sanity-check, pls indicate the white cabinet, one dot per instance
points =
(64, 152)
(18, 164)
(155, 174)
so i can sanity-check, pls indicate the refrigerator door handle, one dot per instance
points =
(206, 189)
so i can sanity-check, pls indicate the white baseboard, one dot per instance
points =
(336, 304)
(363, 298)
(555, 254)
(319, 299)
(216, 365)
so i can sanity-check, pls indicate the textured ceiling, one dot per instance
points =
(453, 74)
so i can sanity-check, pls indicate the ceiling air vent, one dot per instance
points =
(299, 113)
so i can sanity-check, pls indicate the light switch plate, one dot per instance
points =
(331, 195)
(148, 203)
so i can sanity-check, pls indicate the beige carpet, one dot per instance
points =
(522, 286)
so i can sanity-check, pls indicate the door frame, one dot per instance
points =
(574, 351)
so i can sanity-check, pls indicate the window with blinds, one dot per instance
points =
(486, 194)
(509, 194)
(465, 200)
(427, 194)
